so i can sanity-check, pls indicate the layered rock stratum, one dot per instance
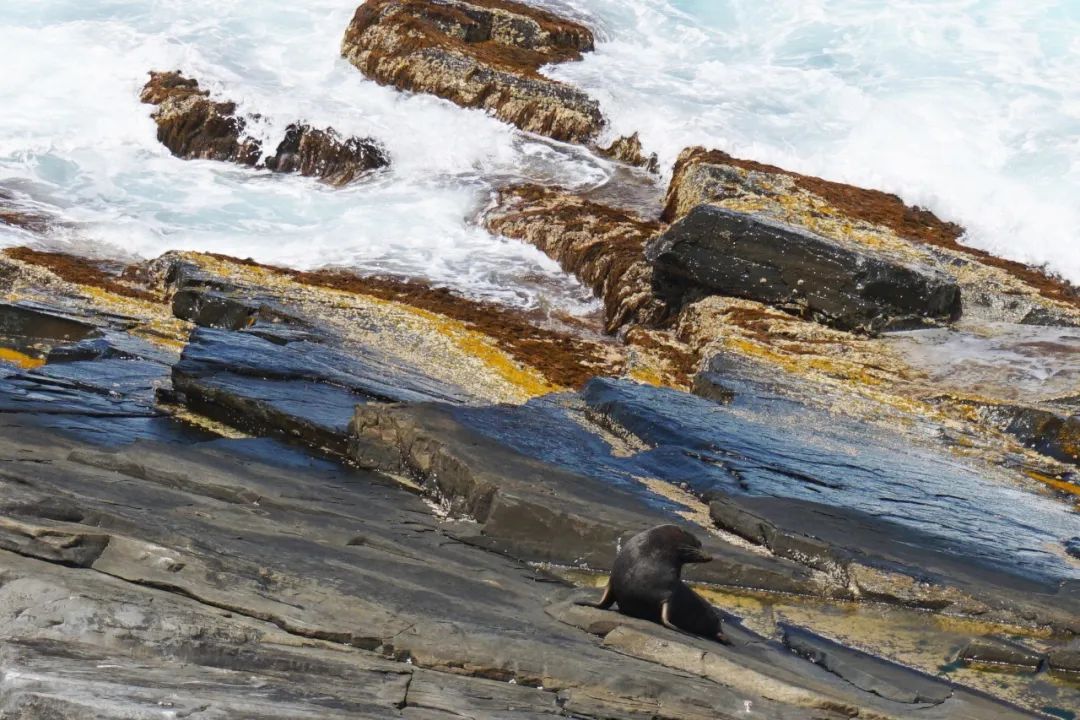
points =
(479, 54)
(229, 489)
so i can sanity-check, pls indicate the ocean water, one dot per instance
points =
(970, 108)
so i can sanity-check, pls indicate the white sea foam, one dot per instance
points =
(74, 138)
(968, 107)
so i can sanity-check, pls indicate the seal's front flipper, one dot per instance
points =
(605, 602)
(665, 618)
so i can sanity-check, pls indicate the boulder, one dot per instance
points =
(713, 251)
(325, 154)
(478, 54)
(193, 126)
(864, 219)
(1066, 657)
(1054, 434)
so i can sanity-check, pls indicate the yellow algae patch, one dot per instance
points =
(1062, 485)
(27, 362)
(444, 346)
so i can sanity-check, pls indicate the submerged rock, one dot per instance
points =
(193, 126)
(480, 54)
(628, 149)
(717, 251)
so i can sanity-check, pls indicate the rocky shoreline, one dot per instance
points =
(237, 490)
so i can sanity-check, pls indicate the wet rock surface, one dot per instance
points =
(717, 251)
(260, 576)
(480, 54)
(1056, 434)
(193, 126)
(1001, 652)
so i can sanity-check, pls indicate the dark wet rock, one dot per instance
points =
(326, 155)
(480, 54)
(717, 251)
(996, 651)
(193, 126)
(1072, 546)
(1051, 433)
(602, 246)
(877, 559)
(1050, 316)
(885, 521)
(866, 672)
(628, 149)
(35, 329)
(509, 495)
(1066, 657)
(863, 219)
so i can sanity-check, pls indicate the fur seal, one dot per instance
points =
(646, 582)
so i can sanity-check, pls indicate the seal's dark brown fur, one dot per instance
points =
(646, 582)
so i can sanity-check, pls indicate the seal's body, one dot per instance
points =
(646, 582)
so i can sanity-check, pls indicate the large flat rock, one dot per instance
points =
(717, 251)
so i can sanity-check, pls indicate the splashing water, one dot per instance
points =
(966, 106)
(76, 141)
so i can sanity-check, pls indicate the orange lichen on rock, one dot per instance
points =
(80, 271)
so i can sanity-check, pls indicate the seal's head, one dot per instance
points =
(674, 545)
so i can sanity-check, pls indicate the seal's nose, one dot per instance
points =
(699, 556)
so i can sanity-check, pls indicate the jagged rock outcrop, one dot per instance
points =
(193, 126)
(871, 221)
(604, 247)
(716, 251)
(478, 54)
(628, 149)
(325, 154)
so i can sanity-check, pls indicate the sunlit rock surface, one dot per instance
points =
(174, 506)
(481, 54)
